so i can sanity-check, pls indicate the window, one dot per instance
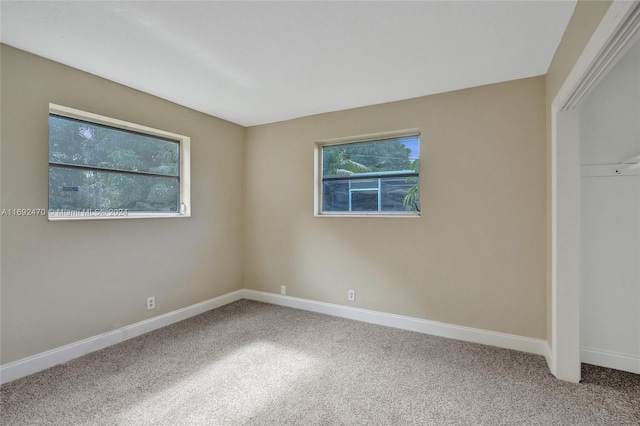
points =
(103, 168)
(370, 176)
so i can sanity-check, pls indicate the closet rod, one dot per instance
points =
(629, 164)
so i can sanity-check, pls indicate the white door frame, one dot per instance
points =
(618, 29)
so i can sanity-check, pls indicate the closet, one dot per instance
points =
(610, 218)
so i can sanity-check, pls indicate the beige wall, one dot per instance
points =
(476, 257)
(583, 23)
(65, 281)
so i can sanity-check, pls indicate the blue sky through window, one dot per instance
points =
(413, 143)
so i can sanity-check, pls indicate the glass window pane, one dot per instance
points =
(394, 193)
(335, 196)
(77, 142)
(379, 175)
(374, 156)
(364, 184)
(77, 189)
(364, 201)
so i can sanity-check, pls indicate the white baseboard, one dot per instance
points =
(624, 362)
(468, 334)
(24, 367)
(44, 360)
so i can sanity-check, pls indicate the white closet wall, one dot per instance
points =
(610, 221)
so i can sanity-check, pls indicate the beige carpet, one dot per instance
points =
(260, 364)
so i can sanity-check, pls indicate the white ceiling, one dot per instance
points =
(259, 62)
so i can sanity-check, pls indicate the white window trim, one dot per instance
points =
(317, 187)
(185, 167)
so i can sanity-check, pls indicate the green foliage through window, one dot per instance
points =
(372, 176)
(98, 167)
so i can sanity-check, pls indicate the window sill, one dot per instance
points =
(79, 215)
(403, 215)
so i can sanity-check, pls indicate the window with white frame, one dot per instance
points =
(377, 176)
(103, 168)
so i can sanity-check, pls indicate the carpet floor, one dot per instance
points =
(251, 363)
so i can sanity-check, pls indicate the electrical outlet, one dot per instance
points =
(283, 290)
(351, 295)
(151, 303)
